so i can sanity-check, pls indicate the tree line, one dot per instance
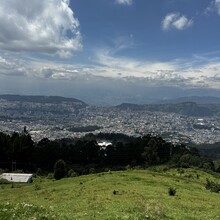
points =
(84, 155)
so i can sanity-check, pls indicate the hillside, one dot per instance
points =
(131, 194)
(196, 99)
(184, 108)
(41, 99)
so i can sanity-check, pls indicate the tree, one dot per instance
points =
(60, 170)
(150, 154)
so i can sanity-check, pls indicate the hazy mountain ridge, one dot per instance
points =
(41, 99)
(185, 108)
(196, 99)
(200, 108)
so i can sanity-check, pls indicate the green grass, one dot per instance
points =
(139, 194)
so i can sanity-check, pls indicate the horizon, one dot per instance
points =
(110, 51)
(184, 99)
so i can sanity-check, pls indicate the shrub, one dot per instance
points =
(72, 173)
(115, 192)
(188, 160)
(37, 187)
(190, 176)
(128, 167)
(50, 176)
(92, 170)
(165, 169)
(171, 191)
(106, 170)
(180, 171)
(212, 186)
(2, 171)
(59, 170)
(217, 166)
(4, 181)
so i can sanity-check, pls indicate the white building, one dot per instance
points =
(17, 177)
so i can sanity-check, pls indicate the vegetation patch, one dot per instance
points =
(25, 211)
(89, 128)
(212, 186)
(171, 191)
(4, 181)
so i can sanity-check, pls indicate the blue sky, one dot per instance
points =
(88, 48)
(104, 23)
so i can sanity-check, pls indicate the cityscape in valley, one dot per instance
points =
(58, 117)
(109, 109)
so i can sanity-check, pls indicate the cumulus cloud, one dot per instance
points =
(124, 2)
(177, 21)
(39, 26)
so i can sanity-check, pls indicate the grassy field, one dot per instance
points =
(131, 194)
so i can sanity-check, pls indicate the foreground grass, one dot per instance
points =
(132, 194)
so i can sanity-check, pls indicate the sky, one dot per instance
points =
(110, 51)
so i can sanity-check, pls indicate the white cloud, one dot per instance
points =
(199, 71)
(124, 2)
(177, 21)
(213, 7)
(39, 26)
(129, 67)
(217, 5)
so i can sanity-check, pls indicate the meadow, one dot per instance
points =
(131, 194)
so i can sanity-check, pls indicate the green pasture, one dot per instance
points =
(131, 194)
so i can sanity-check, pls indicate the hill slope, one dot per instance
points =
(40, 99)
(132, 194)
(185, 108)
(196, 99)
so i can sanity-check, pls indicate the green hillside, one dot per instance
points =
(131, 194)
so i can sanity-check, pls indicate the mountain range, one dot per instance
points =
(189, 106)
(42, 99)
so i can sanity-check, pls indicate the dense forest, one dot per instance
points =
(210, 150)
(84, 155)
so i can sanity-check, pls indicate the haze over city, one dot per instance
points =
(110, 51)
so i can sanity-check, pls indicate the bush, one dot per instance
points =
(2, 171)
(212, 186)
(180, 171)
(171, 191)
(37, 187)
(72, 173)
(217, 166)
(92, 170)
(60, 170)
(50, 176)
(4, 181)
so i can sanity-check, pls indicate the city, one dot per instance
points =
(71, 119)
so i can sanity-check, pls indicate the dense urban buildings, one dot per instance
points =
(70, 119)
